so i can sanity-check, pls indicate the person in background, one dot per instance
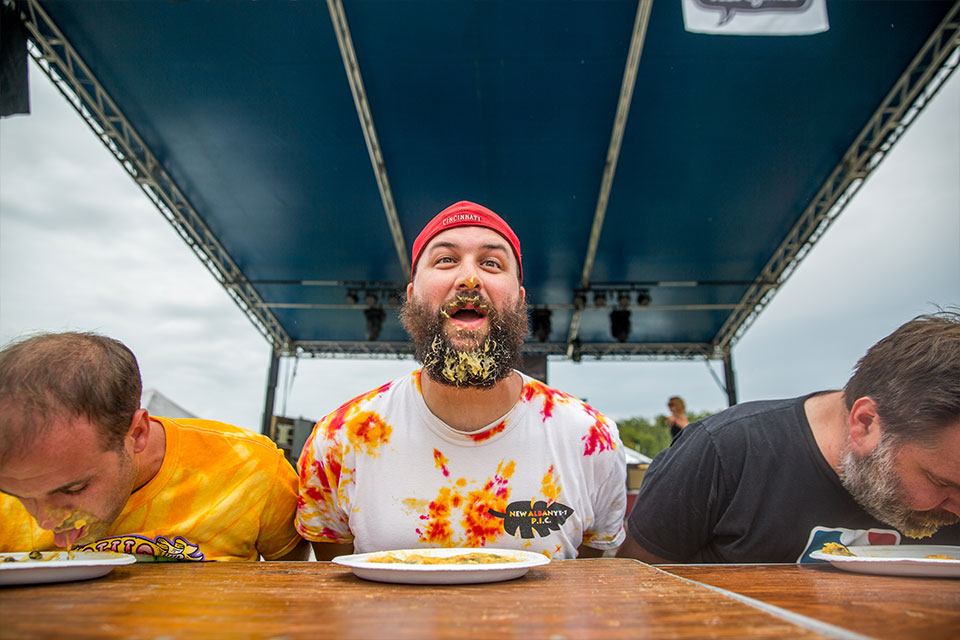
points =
(774, 481)
(83, 467)
(466, 451)
(678, 415)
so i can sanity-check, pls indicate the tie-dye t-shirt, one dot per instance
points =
(222, 493)
(382, 472)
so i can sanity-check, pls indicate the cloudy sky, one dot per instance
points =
(81, 248)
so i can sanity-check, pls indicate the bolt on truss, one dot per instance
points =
(929, 69)
(57, 58)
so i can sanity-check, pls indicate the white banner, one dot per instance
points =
(756, 17)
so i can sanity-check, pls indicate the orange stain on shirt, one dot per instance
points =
(440, 462)
(479, 526)
(438, 529)
(336, 420)
(550, 485)
(367, 431)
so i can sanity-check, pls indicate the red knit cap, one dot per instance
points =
(465, 214)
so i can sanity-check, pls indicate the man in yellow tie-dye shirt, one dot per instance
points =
(83, 466)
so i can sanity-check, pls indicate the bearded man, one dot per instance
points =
(466, 451)
(875, 464)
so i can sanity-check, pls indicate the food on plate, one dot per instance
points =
(940, 556)
(33, 555)
(836, 549)
(464, 558)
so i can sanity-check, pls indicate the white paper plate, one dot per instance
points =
(442, 573)
(59, 566)
(898, 560)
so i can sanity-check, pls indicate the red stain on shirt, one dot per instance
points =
(599, 438)
(489, 433)
(440, 462)
(534, 388)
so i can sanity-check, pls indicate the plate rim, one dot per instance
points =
(530, 559)
(82, 559)
(832, 557)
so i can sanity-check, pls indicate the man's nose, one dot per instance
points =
(468, 279)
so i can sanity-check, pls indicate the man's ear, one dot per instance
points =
(409, 291)
(139, 432)
(523, 293)
(864, 424)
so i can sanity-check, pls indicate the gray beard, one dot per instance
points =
(874, 484)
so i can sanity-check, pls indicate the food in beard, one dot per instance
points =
(461, 366)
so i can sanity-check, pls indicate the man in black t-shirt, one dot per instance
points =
(876, 463)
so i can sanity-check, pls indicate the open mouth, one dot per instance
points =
(466, 315)
(465, 309)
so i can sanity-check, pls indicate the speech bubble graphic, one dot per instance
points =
(729, 8)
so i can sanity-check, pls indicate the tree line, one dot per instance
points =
(650, 438)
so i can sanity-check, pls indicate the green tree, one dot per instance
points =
(651, 438)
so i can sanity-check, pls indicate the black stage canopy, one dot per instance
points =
(299, 147)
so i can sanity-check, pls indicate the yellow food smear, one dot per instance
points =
(940, 556)
(464, 558)
(836, 549)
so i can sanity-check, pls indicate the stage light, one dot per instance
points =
(577, 355)
(620, 324)
(623, 300)
(599, 298)
(396, 298)
(371, 298)
(540, 318)
(375, 317)
(351, 297)
(643, 297)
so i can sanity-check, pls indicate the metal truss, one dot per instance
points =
(605, 350)
(937, 59)
(640, 24)
(352, 67)
(60, 61)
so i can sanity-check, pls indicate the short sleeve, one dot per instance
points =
(679, 500)
(609, 496)
(320, 516)
(278, 536)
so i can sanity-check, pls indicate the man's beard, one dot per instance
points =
(486, 360)
(874, 484)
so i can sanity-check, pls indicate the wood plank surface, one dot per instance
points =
(871, 605)
(596, 598)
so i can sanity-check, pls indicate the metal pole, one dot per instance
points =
(271, 392)
(731, 379)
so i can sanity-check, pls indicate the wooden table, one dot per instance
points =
(871, 605)
(598, 598)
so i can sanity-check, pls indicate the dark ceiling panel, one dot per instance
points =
(511, 104)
